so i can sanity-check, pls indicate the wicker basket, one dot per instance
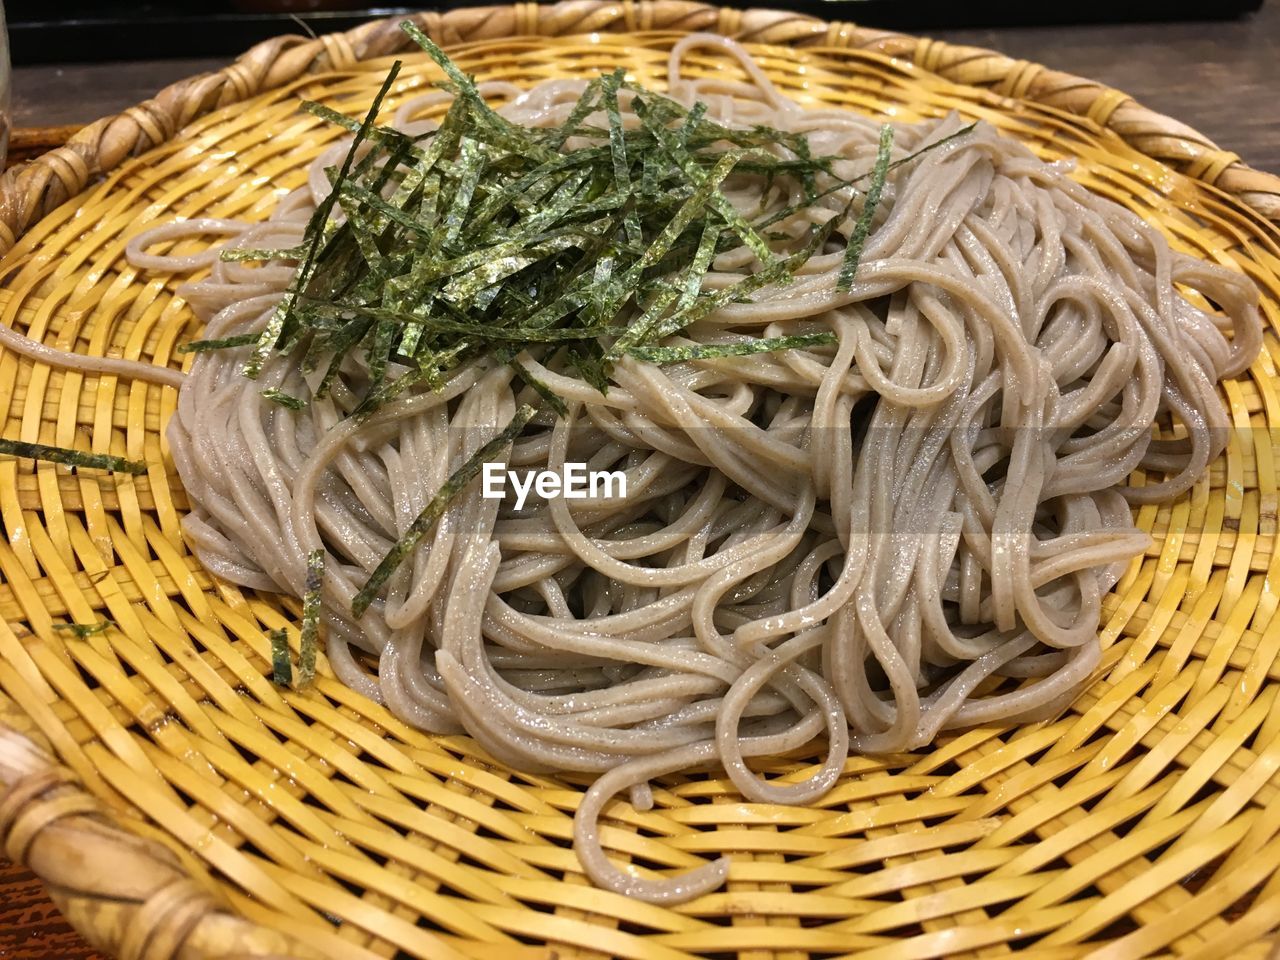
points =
(180, 806)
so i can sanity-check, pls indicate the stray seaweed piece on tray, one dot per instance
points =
(71, 458)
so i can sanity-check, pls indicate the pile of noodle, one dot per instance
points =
(862, 544)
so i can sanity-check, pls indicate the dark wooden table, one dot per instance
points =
(1221, 78)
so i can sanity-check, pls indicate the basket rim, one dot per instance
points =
(147, 905)
(31, 190)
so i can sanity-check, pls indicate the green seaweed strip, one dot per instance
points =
(330, 343)
(384, 333)
(472, 162)
(567, 197)
(391, 389)
(436, 507)
(443, 140)
(462, 289)
(559, 308)
(653, 326)
(201, 346)
(839, 185)
(282, 253)
(702, 257)
(591, 367)
(376, 133)
(553, 399)
(395, 167)
(71, 458)
(429, 269)
(691, 122)
(316, 226)
(719, 202)
(586, 103)
(801, 147)
(281, 665)
(359, 226)
(713, 351)
(311, 618)
(83, 630)
(642, 329)
(618, 148)
(778, 272)
(649, 174)
(707, 190)
(664, 109)
(344, 340)
(549, 242)
(505, 335)
(284, 399)
(526, 188)
(927, 148)
(506, 133)
(858, 239)
(387, 209)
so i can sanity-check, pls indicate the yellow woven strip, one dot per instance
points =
(319, 814)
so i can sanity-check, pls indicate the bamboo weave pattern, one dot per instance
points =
(194, 810)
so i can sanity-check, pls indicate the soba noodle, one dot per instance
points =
(860, 545)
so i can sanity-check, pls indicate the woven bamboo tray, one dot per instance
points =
(180, 806)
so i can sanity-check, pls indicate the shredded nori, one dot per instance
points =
(712, 351)
(239, 254)
(318, 229)
(71, 458)
(284, 399)
(853, 251)
(281, 664)
(83, 630)
(578, 242)
(201, 346)
(310, 618)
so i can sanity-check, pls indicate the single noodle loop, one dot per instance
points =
(869, 543)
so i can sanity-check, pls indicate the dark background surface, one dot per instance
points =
(31, 928)
(57, 30)
(1223, 78)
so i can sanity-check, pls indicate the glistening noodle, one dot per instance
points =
(883, 397)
